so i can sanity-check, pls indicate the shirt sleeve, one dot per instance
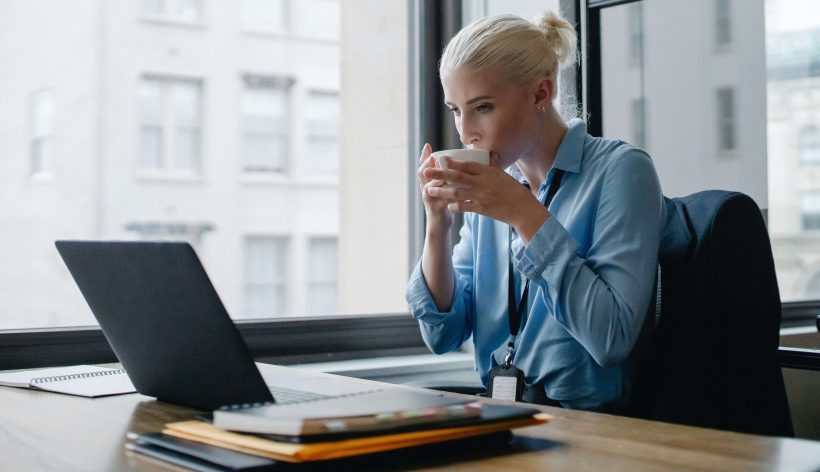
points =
(446, 331)
(602, 299)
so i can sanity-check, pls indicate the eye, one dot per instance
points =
(454, 111)
(484, 108)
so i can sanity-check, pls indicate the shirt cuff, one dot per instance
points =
(422, 305)
(550, 246)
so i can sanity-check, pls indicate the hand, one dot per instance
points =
(435, 207)
(489, 191)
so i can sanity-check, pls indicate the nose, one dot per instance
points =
(468, 131)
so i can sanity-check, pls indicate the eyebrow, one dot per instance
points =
(473, 100)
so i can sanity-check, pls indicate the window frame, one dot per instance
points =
(342, 337)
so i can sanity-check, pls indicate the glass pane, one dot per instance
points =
(701, 117)
(265, 121)
(186, 152)
(264, 267)
(706, 124)
(175, 99)
(151, 147)
(323, 129)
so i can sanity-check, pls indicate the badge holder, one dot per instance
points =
(506, 380)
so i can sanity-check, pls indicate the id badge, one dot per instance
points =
(506, 382)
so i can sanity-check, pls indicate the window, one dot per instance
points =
(757, 102)
(808, 145)
(188, 11)
(322, 285)
(184, 133)
(810, 210)
(42, 129)
(265, 124)
(264, 268)
(323, 132)
(723, 22)
(265, 16)
(170, 130)
(726, 118)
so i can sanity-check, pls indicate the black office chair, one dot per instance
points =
(710, 357)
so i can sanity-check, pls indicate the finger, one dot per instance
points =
(472, 168)
(426, 150)
(448, 175)
(462, 206)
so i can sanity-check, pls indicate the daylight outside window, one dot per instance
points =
(247, 128)
(726, 96)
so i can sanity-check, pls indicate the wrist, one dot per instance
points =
(530, 222)
(438, 226)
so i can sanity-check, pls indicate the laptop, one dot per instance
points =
(165, 322)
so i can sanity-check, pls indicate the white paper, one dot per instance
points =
(504, 387)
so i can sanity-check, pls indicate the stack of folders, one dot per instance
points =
(255, 437)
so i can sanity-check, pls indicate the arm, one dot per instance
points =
(602, 299)
(445, 331)
(432, 288)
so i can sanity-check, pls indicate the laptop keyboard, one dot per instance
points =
(286, 395)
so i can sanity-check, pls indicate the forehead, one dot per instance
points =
(462, 84)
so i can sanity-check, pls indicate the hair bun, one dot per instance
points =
(560, 36)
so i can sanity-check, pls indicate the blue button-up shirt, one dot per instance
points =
(591, 266)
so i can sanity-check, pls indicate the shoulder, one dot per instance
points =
(612, 156)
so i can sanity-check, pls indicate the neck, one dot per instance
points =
(536, 163)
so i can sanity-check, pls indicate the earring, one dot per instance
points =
(541, 109)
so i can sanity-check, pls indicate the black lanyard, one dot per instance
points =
(516, 311)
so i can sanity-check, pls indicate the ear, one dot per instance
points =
(543, 92)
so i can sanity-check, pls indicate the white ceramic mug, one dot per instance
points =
(481, 156)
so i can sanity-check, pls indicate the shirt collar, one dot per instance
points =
(569, 152)
(571, 149)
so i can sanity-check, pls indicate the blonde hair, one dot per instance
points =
(524, 50)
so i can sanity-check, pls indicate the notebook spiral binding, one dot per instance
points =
(83, 375)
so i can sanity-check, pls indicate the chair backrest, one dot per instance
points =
(711, 359)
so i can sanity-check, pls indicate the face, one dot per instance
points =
(491, 113)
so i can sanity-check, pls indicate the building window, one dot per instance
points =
(810, 210)
(322, 284)
(636, 34)
(42, 131)
(265, 124)
(323, 132)
(170, 125)
(723, 22)
(264, 270)
(188, 11)
(638, 109)
(726, 118)
(808, 145)
(265, 16)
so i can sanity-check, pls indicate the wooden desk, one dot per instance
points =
(48, 431)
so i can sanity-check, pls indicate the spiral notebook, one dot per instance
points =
(82, 380)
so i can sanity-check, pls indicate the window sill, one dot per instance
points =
(289, 35)
(173, 177)
(164, 20)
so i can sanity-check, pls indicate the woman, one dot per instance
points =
(583, 264)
